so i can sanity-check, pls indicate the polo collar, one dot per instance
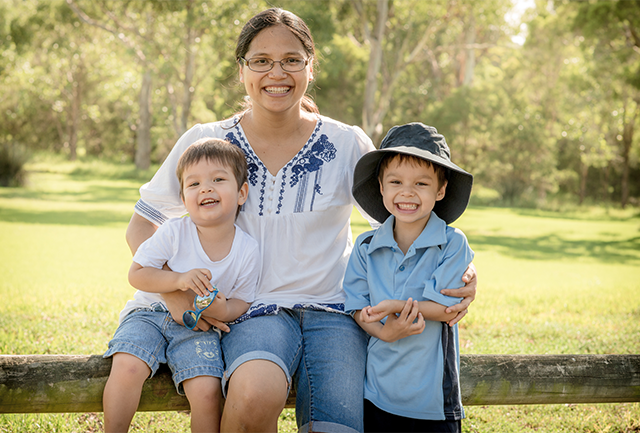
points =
(434, 234)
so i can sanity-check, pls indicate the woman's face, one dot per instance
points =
(276, 90)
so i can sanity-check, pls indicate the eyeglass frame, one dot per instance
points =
(196, 313)
(273, 63)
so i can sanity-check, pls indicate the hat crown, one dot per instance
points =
(417, 135)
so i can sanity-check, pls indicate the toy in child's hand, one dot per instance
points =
(200, 303)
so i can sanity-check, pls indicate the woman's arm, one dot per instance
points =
(468, 293)
(139, 230)
(226, 310)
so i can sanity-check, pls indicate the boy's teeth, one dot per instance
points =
(408, 206)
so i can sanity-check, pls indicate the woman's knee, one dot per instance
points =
(258, 384)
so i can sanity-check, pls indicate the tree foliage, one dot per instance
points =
(555, 116)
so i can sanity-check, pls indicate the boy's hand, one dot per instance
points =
(408, 322)
(198, 280)
(468, 293)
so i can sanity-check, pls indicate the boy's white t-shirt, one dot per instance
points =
(176, 243)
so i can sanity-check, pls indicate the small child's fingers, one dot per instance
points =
(205, 282)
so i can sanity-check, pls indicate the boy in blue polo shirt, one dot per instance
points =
(395, 275)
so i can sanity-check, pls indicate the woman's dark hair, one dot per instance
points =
(273, 17)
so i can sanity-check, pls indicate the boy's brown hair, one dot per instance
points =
(440, 171)
(214, 149)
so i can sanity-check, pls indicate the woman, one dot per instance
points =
(300, 178)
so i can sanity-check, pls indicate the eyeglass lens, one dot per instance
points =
(263, 64)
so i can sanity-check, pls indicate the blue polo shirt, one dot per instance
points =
(417, 376)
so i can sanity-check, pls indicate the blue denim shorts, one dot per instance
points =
(324, 353)
(154, 337)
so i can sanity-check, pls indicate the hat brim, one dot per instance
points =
(366, 187)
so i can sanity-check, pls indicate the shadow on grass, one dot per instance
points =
(554, 247)
(88, 194)
(65, 217)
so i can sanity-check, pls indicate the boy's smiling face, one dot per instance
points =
(211, 194)
(410, 190)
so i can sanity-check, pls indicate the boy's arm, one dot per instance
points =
(150, 279)
(430, 310)
(408, 322)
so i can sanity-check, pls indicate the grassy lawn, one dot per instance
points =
(549, 283)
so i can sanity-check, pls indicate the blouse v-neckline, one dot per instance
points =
(293, 158)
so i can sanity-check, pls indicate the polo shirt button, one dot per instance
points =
(393, 250)
(402, 267)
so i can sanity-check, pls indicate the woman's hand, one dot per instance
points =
(468, 293)
(177, 303)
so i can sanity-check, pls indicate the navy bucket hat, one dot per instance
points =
(423, 142)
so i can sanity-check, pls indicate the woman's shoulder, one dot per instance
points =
(343, 133)
(218, 129)
(338, 126)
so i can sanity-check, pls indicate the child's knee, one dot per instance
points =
(130, 367)
(203, 389)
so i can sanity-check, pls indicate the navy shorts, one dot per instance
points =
(377, 420)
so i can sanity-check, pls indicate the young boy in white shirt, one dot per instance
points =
(206, 253)
(395, 275)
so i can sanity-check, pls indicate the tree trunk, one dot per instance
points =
(584, 171)
(627, 141)
(470, 58)
(143, 149)
(373, 68)
(190, 67)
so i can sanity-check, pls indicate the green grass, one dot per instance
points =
(550, 283)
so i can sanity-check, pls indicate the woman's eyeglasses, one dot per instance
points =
(200, 303)
(264, 64)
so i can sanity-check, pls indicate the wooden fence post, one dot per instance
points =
(74, 383)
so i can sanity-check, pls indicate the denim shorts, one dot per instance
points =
(324, 352)
(154, 337)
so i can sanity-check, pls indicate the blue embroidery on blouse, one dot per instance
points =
(317, 152)
(258, 310)
(253, 164)
(322, 151)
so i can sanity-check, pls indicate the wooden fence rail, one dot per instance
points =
(74, 383)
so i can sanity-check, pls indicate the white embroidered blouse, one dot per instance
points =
(300, 216)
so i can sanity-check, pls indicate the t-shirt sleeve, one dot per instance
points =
(355, 283)
(455, 258)
(160, 197)
(158, 249)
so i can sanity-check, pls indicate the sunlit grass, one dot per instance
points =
(549, 283)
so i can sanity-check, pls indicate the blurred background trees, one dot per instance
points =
(543, 111)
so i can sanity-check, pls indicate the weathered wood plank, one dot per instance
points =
(74, 383)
